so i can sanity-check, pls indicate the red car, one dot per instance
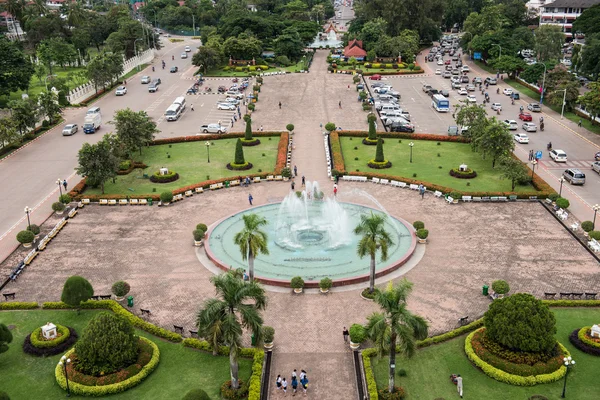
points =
(448, 62)
(525, 117)
(375, 77)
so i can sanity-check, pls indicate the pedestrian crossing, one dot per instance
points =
(580, 164)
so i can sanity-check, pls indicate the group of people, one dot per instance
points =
(282, 383)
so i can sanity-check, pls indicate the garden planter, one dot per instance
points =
(285, 179)
(197, 243)
(166, 204)
(422, 241)
(455, 201)
(354, 346)
(268, 346)
(119, 298)
(27, 245)
(297, 290)
(59, 212)
(324, 290)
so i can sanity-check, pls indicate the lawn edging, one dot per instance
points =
(18, 305)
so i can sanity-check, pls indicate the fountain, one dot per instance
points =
(310, 236)
(323, 40)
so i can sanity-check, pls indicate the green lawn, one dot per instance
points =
(180, 368)
(426, 163)
(429, 370)
(189, 160)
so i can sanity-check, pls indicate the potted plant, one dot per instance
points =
(422, 235)
(325, 284)
(25, 238)
(357, 336)
(65, 199)
(297, 284)
(58, 207)
(198, 237)
(268, 334)
(418, 225)
(290, 128)
(587, 227)
(35, 229)
(166, 198)
(286, 173)
(563, 203)
(500, 287)
(120, 289)
(455, 196)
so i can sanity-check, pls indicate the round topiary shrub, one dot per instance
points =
(553, 196)
(418, 225)
(65, 199)
(268, 334)
(198, 235)
(58, 207)
(34, 229)
(289, 127)
(76, 290)
(108, 344)
(25, 237)
(467, 174)
(330, 126)
(594, 235)
(202, 227)
(500, 287)
(325, 283)
(297, 282)
(358, 334)
(120, 288)
(171, 176)
(521, 323)
(422, 233)
(196, 394)
(166, 197)
(587, 226)
(563, 203)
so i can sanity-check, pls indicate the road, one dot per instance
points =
(29, 175)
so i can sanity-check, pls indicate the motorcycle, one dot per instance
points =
(153, 68)
(207, 89)
(498, 91)
(234, 80)
(542, 127)
(549, 146)
(512, 102)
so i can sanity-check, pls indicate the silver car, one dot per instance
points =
(70, 129)
(146, 79)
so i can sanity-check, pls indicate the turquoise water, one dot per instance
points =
(315, 243)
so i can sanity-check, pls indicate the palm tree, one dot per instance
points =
(396, 328)
(222, 319)
(252, 240)
(375, 237)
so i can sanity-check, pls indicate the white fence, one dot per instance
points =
(87, 90)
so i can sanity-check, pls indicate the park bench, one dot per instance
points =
(112, 202)
(85, 201)
(512, 197)
(145, 312)
(199, 190)
(494, 198)
(193, 333)
(594, 245)
(188, 193)
(29, 258)
(477, 199)
(105, 297)
(278, 177)
(437, 193)
(565, 295)
(256, 179)
(72, 212)
(95, 298)
(134, 202)
(467, 198)
(361, 178)
(178, 329)
(375, 180)
(143, 202)
(590, 296)
(548, 201)
(80, 205)
(449, 199)
(123, 202)
(384, 181)
(414, 187)
(574, 226)
(502, 198)
(549, 295)
(402, 185)
(235, 183)
(43, 243)
(9, 295)
(577, 296)
(103, 202)
(485, 198)
(270, 177)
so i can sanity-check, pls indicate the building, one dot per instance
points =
(355, 49)
(563, 13)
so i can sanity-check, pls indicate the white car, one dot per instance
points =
(463, 92)
(70, 129)
(507, 91)
(471, 98)
(558, 155)
(438, 71)
(188, 49)
(183, 55)
(121, 91)
(465, 68)
(511, 124)
(496, 106)
(213, 128)
(529, 127)
(226, 106)
(146, 79)
(521, 138)
(232, 100)
(440, 62)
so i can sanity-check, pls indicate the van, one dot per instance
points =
(181, 101)
(93, 110)
(173, 112)
(153, 87)
(574, 176)
(385, 97)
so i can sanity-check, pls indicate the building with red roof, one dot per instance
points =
(355, 49)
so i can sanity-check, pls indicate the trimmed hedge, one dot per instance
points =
(572, 303)
(583, 336)
(239, 167)
(468, 174)
(18, 305)
(377, 165)
(29, 348)
(370, 378)
(576, 341)
(118, 309)
(156, 177)
(451, 334)
(505, 377)
(105, 390)
(64, 331)
(336, 150)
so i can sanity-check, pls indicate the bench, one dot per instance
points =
(270, 177)
(467, 198)
(95, 297)
(384, 181)
(437, 193)
(485, 198)
(548, 201)
(105, 297)
(414, 187)
(361, 178)
(188, 193)
(564, 295)
(549, 295)
(103, 202)
(178, 197)
(43, 243)
(512, 197)
(235, 183)
(594, 245)
(477, 199)
(80, 205)
(574, 226)
(199, 190)
(402, 185)
(449, 199)
(134, 202)
(85, 201)
(502, 198)
(143, 202)
(533, 198)
(123, 202)
(375, 180)
(72, 213)
(145, 312)
(29, 258)
(590, 296)
(463, 321)
(193, 333)
(178, 329)
(256, 179)
(577, 296)
(494, 198)
(279, 177)
(112, 202)
(9, 295)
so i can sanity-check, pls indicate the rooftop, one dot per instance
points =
(572, 3)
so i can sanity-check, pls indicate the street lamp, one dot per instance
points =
(569, 363)
(46, 80)
(59, 183)
(27, 211)
(64, 361)
(533, 164)
(564, 101)
(543, 84)
(135, 51)
(411, 144)
(562, 180)
(596, 207)
(207, 144)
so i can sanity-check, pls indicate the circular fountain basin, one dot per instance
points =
(313, 240)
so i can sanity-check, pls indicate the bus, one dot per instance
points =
(440, 103)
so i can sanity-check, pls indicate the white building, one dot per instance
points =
(563, 13)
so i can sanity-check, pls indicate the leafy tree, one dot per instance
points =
(8, 132)
(289, 44)
(98, 71)
(223, 318)
(251, 240)
(124, 39)
(15, 69)
(373, 31)
(40, 27)
(496, 141)
(455, 12)
(76, 290)
(6, 338)
(508, 64)
(248, 132)
(372, 132)
(558, 79)
(590, 57)
(475, 118)
(98, 162)
(239, 153)
(56, 51)
(533, 73)
(107, 345)
(591, 99)
(24, 114)
(588, 22)
(523, 38)
(491, 18)
(521, 323)
(134, 129)
(514, 170)
(548, 42)
(206, 58)
(243, 47)
(374, 238)
(379, 157)
(40, 72)
(49, 107)
(395, 328)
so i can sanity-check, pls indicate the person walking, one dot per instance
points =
(293, 184)
(261, 128)
(294, 383)
(304, 382)
(280, 105)
(303, 181)
(250, 198)
(295, 171)
(64, 183)
(284, 386)
(294, 375)
(422, 191)
(192, 107)
(340, 104)
(579, 123)
(346, 334)
(334, 190)
(459, 385)
(278, 382)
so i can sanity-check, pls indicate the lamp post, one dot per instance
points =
(543, 84)
(596, 207)
(562, 112)
(59, 183)
(562, 180)
(207, 144)
(533, 164)
(411, 144)
(64, 361)
(135, 51)
(46, 81)
(27, 211)
(569, 363)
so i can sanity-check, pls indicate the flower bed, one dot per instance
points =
(474, 349)
(336, 150)
(580, 339)
(280, 164)
(50, 348)
(87, 385)
(38, 340)
(203, 138)
(253, 142)
(171, 176)
(468, 174)
(398, 394)
(239, 167)
(234, 394)
(379, 165)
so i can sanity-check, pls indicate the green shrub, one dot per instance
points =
(239, 69)
(297, 282)
(370, 378)
(58, 206)
(286, 172)
(325, 283)
(202, 227)
(594, 235)
(65, 199)
(76, 290)
(553, 196)
(226, 68)
(417, 68)
(358, 334)
(6, 337)
(401, 372)
(121, 288)
(422, 233)
(196, 394)
(330, 126)
(228, 393)
(563, 203)
(25, 237)
(108, 344)
(4, 396)
(251, 106)
(18, 305)
(170, 176)
(166, 197)
(124, 165)
(37, 340)
(198, 235)
(289, 127)
(239, 152)
(455, 195)
(268, 334)
(418, 225)
(587, 226)
(34, 229)
(500, 287)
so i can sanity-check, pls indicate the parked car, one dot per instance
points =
(596, 166)
(226, 106)
(213, 128)
(70, 129)
(402, 128)
(375, 77)
(574, 176)
(173, 70)
(232, 100)
(465, 68)
(535, 107)
(121, 91)
(558, 155)
(521, 138)
(377, 84)
(496, 106)
(146, 79)
(525, 116)
(529, 127)
(511, 124)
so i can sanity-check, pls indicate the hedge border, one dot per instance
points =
(582, 335)
(511, 379)
(369, 376)
(30, 349)
(576, 341)
(19, 305)
(40, 344)
(83, 390)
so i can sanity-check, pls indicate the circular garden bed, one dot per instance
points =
(116, 382)
(379, 165)
(239, 167)
(582, 339)
(36, 345)
(512, 367)
(370, 142)
(171, 176)
(466, 174)
(252, 142)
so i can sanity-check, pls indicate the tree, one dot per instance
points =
(533, 73)
(15, 69)
(248, 132)
(243, 47)
(372, 31)
(134, 129)
(591, 99)
(374, 238)
(372, 131)
(108, 344)
(49, 107)
(223, 318)
(123, 41)
(289, 44)
(206, 58)
(251, 240)
(456, 12)
(548, 42)
(41, 72)
(395, 328)
(379, 158)
(475, 118)
(558, 79)
(8, 132)
(6, 338)
(56, 51)
(24, 114)
(508, 64)
(590, 57)
(98, 71)
(239, 153)
(514, 170)
(76, 290)
(521, 323)
(496, 141)
(98, 162)
(588, 22)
